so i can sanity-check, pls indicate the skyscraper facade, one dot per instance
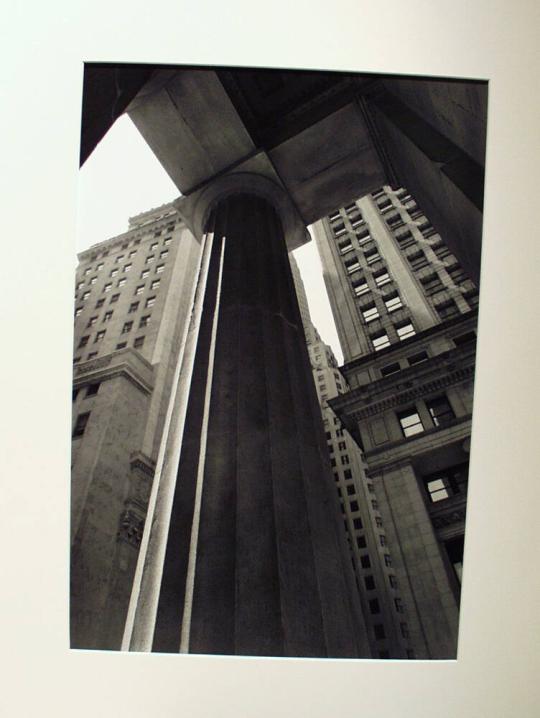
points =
(376, 583)
(406, 318)
(129, 323)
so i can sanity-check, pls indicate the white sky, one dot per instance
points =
(122, 178)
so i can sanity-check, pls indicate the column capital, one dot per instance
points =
(195, 209)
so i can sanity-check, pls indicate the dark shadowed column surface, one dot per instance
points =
(270, 569)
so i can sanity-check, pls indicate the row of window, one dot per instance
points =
(143, 321)
(418, 357)
(134, 242)
(381, 340)
(138, 342)
(114, 298)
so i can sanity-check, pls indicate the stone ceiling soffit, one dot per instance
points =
(191, 126)
(329, 163)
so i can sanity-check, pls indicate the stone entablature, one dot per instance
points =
(125, 362)
(396, 453)
(401, 392)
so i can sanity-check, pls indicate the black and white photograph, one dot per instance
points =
(270, 359)
(255, 473)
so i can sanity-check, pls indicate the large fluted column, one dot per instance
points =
(252, 558)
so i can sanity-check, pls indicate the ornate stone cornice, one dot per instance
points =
(143, 463)
(125, 362)
(405, 392)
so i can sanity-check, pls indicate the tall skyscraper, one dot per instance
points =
(129, 322)
(375, 579)
(406, 317)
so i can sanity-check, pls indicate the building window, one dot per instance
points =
(361, 541)
(390, 369)
(457, 275)
(99, 336)
(446, 483)
(132, 253)
(167, 241)
(375, 505)
(127, 327)
(404, 630)
(164, 253)
(91, 321)
(360, 287)
(378, 522)
(88, 270)
(93, 280)
(107, 316)
(380, 341)
(448, 310)
(417, 358)
(387, 560)
(155, 284)
(100, 303)
(374, 606)
(139, 341)
(373, 257)
(150, 259)
(84, 341)
(369, 582)
(144, 321)
(119, 258)
(393, 303)
(382, 540)
(76, 360)
(364, 561)
(347, 474)
(410, 422)
(393, 580)
(353, 506)
(352, 265)
(154, 246)
(405, 240)
(107, 287)
(91, 356)
(145, 273)
(370, 313)
(462, 339)
(378, 630)
(133, 307)
(114, 298)
(432, 284)
(121, 345)
(345, 459)
(85, 296)
(350, 490)
(382, 279)
(80, 424)
(92, 389)
(78, 311)
(405, 331)
(342, 446)
(160, 268)
(398, 603)
(418, 261)
(440, 410)
(122, 281)
(127, 267)
(345, 246)
(150, 302)
(357, 523)
(80, 285)
(114, 272)
(140, 289)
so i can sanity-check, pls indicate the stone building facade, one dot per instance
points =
(129, 322)
(406, 316)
